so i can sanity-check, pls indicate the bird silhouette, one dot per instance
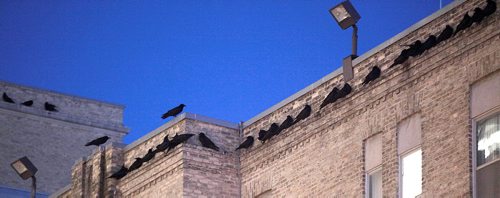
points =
(206, 142)
(346, 90)
(28, 103)
(287, 123)
(272, 131)
(173, 112)
(137, 164)
(179, 139)
(150, 155)
(478, 15)
(120, 173)
(50, 107)
(262, 134)
(246, 144)
(445, 34)
(464, 24)
(374, 74)
(303, 114)
(491, 7)
(403, 56)
(98, 141)
(415, 48)
(164, 145)
(6, 98)
(331, 97)
(429, 43)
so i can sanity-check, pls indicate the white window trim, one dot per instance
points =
(400, 174)
(367, 178)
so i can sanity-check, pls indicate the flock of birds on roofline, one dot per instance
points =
(48, 106)
(415, 49)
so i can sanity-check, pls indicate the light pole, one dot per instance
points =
(346, 16)
(25, 169)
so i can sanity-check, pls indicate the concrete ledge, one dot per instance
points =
(61, 191)
(356, 61)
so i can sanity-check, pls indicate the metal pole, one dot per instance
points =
(355, 40)
(33, 186)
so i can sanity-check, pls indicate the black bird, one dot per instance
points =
(6, 98)
(246, 144)
(445, 34)
(304, 113)
(478, 15)
(464, 24)
(429, 43)
(28, 103)
(374, 74)
(206, 142)
(490, 8)
(150, 155)
(98, 141)
(273, 130)
(179, 139)
(50, 107)
(137, 164)
(164, 145)
(346, 90)
(173, 112)
(331, 97)
(415, 48)
(120, 173)
(288, 122)
(403, 56)
(262, 134)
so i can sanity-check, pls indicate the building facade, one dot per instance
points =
(51, 140)
(429, 126)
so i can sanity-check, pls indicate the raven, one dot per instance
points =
(246, 144)
(173, 112)
(429, 43)
(120, 173)
(98, 141)
(164, 145)
(50, 107)
(374, 74)
(445, 34)
(137, 164)
(331, 97)
(490, 8)
(288, 122)
(303, 114)
(464, 24)
(206, 142)
(272, 131)
(346, 90)
(179, 139)
(478, 15)
(150, 155)
(28, 103)
(262, 134)
(6, 98)
(403, 56)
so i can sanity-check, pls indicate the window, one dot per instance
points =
(488, 140)
(411, 174)
(373, 166)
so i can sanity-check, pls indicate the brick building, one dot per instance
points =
(51, 140)
(428, 127)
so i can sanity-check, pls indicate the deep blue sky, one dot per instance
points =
(224, 59)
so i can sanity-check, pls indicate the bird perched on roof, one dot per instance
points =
(262, 134)
(415, 48)
(478, 15)
(272, 131)
(429, 43)
(98, 141)
(137, 164)
(120, 173)
(173, 112)
(445, 34)
(303, 114)
(491, 7)
(246, 144)
(331, 97)
(6, 98)
(346, 90)
(288, 122)
(50, 107)
(150, 155)
(403, 56)
(164, 145)
(179, 139)
(374, 74)
(28, 103)
(206, 142)
(464, 24)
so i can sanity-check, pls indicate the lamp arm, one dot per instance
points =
(33, 186)
(355, 40)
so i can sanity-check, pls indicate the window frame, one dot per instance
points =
(367, 179)
(400, 172)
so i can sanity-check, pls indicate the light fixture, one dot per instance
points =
(25, 169)
(346, 16)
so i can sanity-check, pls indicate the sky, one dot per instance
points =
(228, 60)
